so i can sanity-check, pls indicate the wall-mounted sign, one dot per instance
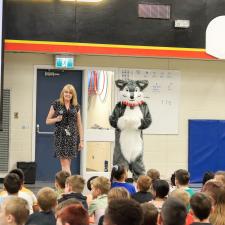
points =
(64, 62)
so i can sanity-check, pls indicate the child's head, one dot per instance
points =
(89, 182)
(150, 214)
(47, 199)
(74, 183)
(123, 212)
(182, 195)
(182, 177)
(12, 183)
(14, 210)
(143, 183)
(65, 203)
(161, 188)
(216, 191)
(173, 212)
(118, 193)
(100, 186)
(153, 174)
(20, 173)
(207, 176)
(201, 206)
(74, 214)
(220, 176)
(119, 173)
(60, 179)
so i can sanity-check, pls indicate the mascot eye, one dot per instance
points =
(137, 89)
(126, 89)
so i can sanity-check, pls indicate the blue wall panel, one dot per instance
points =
(206, 150)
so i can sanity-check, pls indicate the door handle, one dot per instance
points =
(42, 132)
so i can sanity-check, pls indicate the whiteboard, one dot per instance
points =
(161, 95)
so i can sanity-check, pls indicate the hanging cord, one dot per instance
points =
(103, 95)
(103, 85)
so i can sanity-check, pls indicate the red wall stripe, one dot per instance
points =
(102, 50)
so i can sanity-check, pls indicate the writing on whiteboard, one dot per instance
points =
(161, 95)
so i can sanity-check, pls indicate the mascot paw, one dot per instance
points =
(123, 122)
(135, 123)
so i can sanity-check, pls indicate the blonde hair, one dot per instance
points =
(102, 183)
(217, 217)
(76, 182)
(18, 208)
(47, 199)
(216, 191)
(118, 193)
(72, 90)
(182, 195)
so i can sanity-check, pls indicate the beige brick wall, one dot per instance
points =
(19, 77)
(202, 97)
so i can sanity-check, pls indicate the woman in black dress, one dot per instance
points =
(65, 114)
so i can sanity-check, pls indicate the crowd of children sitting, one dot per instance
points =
(147, 201)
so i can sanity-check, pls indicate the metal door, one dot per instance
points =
(49, 86)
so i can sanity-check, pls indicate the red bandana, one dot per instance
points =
(130, 104)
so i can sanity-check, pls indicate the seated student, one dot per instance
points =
(220, 176)
(173, 212)
(201, 207)
(154, 175)
(216, 191)
(12, 185)
(182, 178)
(123, 212)
(73, 189)
(118, 193)
(60, 181)
(89, 187)
(150, 214)
(143, 185)
(23, 192)
(115, 193)
(161, 190)
(118, 177)
(47, 201)
(183, 196)
(100, 189)
(14, 211)
(207, 176)
(73, 214)
(66, 203)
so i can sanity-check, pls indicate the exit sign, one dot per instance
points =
(66, 62)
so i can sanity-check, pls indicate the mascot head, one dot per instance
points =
(131, 91)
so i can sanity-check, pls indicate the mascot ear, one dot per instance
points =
(121, 84)
(142, 84)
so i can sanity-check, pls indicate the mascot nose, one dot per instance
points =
(132, 96)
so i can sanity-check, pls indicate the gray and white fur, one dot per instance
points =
(130, 116)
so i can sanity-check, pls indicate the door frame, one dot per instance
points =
(89, 134)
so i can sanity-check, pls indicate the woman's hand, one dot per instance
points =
(58, 118)
(81, 145)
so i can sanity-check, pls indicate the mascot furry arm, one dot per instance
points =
(130, 116)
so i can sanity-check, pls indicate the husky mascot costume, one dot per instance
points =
(130, 116)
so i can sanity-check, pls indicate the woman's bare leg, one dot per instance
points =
(65, 164)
